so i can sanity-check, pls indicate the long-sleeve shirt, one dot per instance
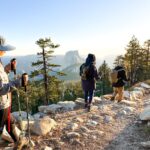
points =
(121, 77)
(90, 83)
(6, 88)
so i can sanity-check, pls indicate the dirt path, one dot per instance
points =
(131, 136)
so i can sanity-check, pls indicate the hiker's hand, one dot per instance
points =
(8, 68)
(25, 79)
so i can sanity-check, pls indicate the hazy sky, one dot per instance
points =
(103, 27)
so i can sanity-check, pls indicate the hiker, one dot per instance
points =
(118, 86)
(88, 73)
(6, 86)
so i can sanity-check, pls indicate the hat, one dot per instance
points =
(4, 47)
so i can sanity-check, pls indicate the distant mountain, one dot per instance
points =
(72, 57)
(72, 72)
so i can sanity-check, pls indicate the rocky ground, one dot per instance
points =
(108, 126)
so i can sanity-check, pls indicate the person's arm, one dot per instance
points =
(124, 76)
(8, 87)
(96, 75)
(80, 71)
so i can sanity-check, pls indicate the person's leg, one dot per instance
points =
(90, 99)
(12, 132)
(19, 141)
(3, 118)
(86, 98)
(120, 93)
(12, 124)
(114, 93)
(91, 96)
(1, 121)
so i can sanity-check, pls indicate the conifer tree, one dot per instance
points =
(45, 68)
(119, 60)
(147, 59)
(132, 59)
(105, 85)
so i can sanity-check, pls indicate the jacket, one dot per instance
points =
(121, 77)
(6, 87)
(90, 84)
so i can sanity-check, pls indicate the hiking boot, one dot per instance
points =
(119, 101)
(112, 98)
(86, 105)
(89, 107)
(23, 141)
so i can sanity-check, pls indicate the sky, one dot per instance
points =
(102, 27)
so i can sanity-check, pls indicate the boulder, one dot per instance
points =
(145, 115)
(39, 115)
(24, 124)
(139, 89)
(23, 116)
(145, 144)
(42, 109)
(67, 105)
(128, 103)
(43, 125)
(107, 97)
(144, 85)
(80, 102)
(53, 108)
(97, 99)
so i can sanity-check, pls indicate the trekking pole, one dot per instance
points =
(13, 69)
(13, 66)
(24, 84)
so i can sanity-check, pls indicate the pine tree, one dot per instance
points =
(147, 59)
(132, 59)
(119, 60)
(45, 68)
(104, 85)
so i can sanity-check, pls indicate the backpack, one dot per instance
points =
(84, 71)
(114, 76)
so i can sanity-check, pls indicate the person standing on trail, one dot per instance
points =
(118, 85)
(6, 87)
(89, 75)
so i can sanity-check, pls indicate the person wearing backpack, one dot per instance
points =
(119, 80)
(89, 75)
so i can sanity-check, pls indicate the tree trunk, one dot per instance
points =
(45, 79)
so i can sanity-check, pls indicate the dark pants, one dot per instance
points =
(88, 96)
(4, 121)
